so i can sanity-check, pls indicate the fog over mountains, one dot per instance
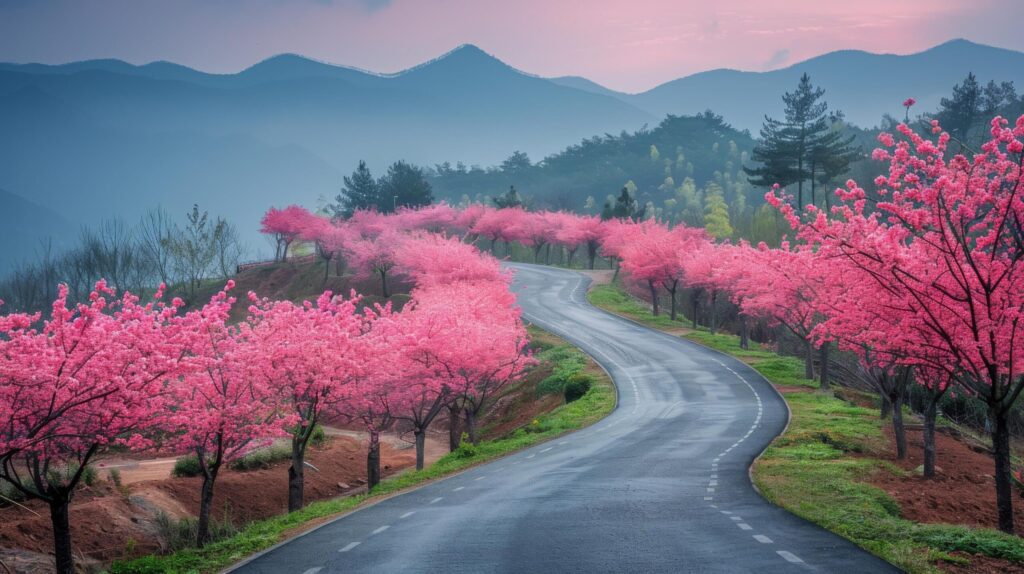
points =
(88, 139)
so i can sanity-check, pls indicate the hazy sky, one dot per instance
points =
(629, 45)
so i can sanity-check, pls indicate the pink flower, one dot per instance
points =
(909, 102)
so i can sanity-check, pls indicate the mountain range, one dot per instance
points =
(90, 138)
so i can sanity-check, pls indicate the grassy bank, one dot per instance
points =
(817, 468)
(564, 363)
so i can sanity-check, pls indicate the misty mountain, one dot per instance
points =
(26, 226)
(87, 139)
(91, 138)
(861, 84)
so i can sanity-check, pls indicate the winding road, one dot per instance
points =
(660, 485)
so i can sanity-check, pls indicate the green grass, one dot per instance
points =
(259, 535)
(818, 468)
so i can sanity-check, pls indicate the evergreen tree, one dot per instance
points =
(803, 145)
(360, 191)
(404, 185)
(716, 213)
(625, 207)
(510, 199)
(958, 113)
(516, 162)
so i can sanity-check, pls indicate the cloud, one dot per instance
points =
(779, 58)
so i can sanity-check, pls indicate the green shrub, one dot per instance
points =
(319, 437)
(466, 449)
(186, 466)
(114, 476)
(263, 457)
(577, 386)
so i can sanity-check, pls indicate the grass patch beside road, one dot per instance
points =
(594, 405)
(817, 468)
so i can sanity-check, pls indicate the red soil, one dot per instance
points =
(110, 523)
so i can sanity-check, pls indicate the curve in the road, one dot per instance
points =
(660, 485)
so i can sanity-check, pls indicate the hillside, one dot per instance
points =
(26, 226)
(668, 163)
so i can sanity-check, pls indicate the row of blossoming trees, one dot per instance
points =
(116, 372)
(921, 280)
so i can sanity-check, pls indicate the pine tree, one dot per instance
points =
(626, 207)
(804, 146)
(510, 199)
(404, 185)
(958, 113)
(360, 191)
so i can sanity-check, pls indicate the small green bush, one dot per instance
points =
(577, 386)
(186, 466)
(263, 457)
(114, 476)
(466, 449)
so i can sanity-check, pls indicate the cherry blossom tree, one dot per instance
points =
(93, 376)
(433, 259)
(376, 256)
(310, 353)
(945, 241)
(579, 230)
(220, 409)
(284, 225)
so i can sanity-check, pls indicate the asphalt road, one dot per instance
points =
(660, 485)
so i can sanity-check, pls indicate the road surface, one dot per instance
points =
(660, 485)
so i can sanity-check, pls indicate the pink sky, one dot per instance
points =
(627, 45)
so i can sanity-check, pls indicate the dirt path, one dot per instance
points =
(135, 470)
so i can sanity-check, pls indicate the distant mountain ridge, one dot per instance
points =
(88, 138)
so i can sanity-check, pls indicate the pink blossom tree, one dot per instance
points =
(581, 230)
(376, 256)
(284, 225)
(219, 409)
(92, 377)
(310, 353)
(945, 240)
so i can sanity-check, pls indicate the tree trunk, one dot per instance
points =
(296, 480)
(696, 304)
(824, 374)
(570, 253)
(744, 333)
(421, 447)
(672, 305)
(808, 361)
(591, 255)
(886, 410)
(454, 430)
(384, 284)
(1001, 454)
(930, 414)
(205, 504)
(471, 425)
(373, 461)
(327, 270)
(61, 524)
(713, 319)
(896, 404)
(536, 253)
(654, 298)
(493, 247)
(547, 255)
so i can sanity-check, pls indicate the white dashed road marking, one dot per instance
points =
(762, 539)
(382, 529)
(408, 514)
(547, 449)
(349, 546)
(438, 499)
(458, 488)
(313, 570)
(744, 526)
(789, 556)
